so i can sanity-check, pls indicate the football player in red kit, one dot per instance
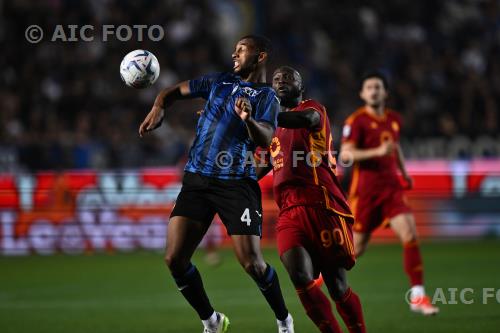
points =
(371, 142)
(314, 226)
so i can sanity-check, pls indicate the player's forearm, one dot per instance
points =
(299, 119)
(168, 96)
(260, 133)
(401, 161)
(358, 155)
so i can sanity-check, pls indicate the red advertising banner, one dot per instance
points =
(87, 211)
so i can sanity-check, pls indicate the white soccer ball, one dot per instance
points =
(139, 69)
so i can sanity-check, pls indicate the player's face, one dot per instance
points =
(373, 92)
(245, 57)
(287, 84)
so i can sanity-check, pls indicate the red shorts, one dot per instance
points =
(326, 235)
(374, 209)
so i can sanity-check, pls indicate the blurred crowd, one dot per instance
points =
(62, 104)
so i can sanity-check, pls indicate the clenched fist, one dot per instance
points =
(243, 108)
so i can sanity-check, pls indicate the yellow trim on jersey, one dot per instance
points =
(346, 235)
(327, 204)
(354, 181)
(355, 115)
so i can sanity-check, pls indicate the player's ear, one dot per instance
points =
(262, 57)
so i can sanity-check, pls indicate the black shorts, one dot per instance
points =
(238, 203)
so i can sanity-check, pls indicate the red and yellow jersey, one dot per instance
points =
(366, 130)
(304, 165)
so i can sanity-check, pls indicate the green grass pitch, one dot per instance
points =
(133, 292)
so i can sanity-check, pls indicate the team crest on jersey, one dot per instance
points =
(373, 125)
(275, 147)
(250, 92)
(395, 126)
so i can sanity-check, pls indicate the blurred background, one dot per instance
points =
(63, 104)
(75, 178)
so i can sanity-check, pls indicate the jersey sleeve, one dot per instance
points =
(321, 110)
(351, 132)
(267, 109)
(201, 86)
(396, 125)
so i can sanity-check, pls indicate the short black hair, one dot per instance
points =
(262, 44)
(375, 74)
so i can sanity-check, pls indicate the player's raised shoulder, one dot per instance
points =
(312, 104)
(355, 116)
(393, 115)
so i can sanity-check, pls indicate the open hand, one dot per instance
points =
(386, 148)
(408, 180)
(152, 121)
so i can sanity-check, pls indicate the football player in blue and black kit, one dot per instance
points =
(239, 115)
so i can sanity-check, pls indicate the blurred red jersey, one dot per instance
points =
(366, 131)
(304, 166)
(376, 194)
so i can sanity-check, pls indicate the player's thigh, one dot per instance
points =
(361, 240)
(335, 278)
(404, 226)
(249, 254)
(368, 214)
(332, 237)
(299, 266)
(193, 201)
(239, 205)
(183, 237)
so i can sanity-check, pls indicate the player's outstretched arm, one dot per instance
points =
(349, 152)
(261, 133)
(308, 118)
(165, 98)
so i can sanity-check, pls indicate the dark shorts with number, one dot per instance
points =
(326, 235)
(238, 202)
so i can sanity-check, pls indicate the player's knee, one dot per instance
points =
(408, 237)
(338, 289)
(359, 249)
(407, 234)
(176, 263)
(300, 278)
(254, 268)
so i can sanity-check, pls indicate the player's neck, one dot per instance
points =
(287, 105)
(258, 76)
(376, 110)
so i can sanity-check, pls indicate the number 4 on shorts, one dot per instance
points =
(245, 217)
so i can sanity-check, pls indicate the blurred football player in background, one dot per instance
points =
(371, 141)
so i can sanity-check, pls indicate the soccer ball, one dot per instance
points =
(139, 69)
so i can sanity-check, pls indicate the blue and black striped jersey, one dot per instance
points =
(222, 147)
